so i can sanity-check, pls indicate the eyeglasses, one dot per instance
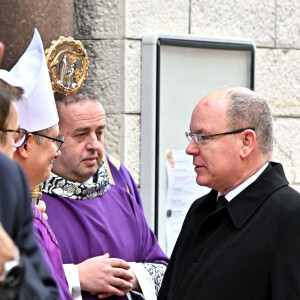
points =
(58, 142)
(19, 136)
(199, 139)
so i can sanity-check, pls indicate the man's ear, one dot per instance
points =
(248, 142)
(24, 150)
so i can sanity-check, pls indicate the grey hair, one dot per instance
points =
(248, 109)
(39, 139)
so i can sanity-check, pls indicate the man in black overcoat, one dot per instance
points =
(246, 245)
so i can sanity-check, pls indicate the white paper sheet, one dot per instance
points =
(182, 191)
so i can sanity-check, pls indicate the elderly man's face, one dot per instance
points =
(40, 157)
(215, 159)
(82, 125)
(13, 123)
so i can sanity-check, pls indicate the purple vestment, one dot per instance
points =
(113, 223)
(51, 253)
(122, 178)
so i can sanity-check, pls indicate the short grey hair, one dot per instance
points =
(39, 139)
(248, 109)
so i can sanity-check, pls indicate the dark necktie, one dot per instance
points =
(221, 202)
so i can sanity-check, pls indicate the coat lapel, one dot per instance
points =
(244, 205)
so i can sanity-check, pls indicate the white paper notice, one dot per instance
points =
(182, 191)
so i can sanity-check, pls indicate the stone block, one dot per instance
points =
(99, 19)
(287, 23)
(286, 147)
(114, 135)
(278, 79)
(156, 16)
(133, 76)
(106, 73)
(132, 145)
(235, 18)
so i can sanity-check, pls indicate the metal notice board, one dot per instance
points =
(177, 71)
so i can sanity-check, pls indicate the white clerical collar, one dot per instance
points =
(245, 184)
(89, 181)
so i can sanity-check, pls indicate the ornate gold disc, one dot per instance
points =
(68, 64)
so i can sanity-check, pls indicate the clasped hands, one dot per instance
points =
(107, 276)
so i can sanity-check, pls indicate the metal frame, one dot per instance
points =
(149, 176)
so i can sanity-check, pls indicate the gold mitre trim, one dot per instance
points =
(67, 61)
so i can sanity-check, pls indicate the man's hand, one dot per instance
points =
(105, 276)
(7, 248)
(135, 283)
(135, 286)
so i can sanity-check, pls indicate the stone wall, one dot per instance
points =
(112, 31)
(18, 18)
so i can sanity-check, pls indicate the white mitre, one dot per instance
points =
(37, 109)
(11, 80)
